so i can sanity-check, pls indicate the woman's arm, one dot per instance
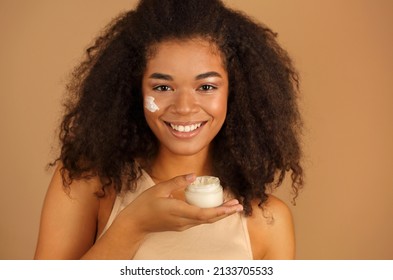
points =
(68, 219)
(68, 225)
(271, 230)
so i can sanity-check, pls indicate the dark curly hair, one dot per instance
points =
(104, 132)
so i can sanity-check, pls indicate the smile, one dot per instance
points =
(185, 128)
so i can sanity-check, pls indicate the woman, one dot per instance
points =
(173, 90)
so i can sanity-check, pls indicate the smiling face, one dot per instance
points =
(185, 90)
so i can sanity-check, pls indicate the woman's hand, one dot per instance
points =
(156, 210)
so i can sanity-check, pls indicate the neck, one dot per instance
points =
(167, 165)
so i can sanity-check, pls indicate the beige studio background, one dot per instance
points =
(344, 52)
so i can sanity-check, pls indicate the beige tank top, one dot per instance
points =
(225, 239)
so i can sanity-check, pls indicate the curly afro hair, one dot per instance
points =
(103, 132)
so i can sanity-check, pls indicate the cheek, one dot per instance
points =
(217, 107)
(150, 104)
(151, 110)
(154, 108)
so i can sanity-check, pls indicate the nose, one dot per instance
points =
(184, 102)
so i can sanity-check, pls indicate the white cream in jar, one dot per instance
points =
(205, 192)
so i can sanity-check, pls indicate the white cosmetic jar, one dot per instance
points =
(205, 192)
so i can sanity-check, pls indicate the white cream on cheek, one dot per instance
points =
(150, 104)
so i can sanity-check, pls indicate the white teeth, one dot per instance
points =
(185, 128)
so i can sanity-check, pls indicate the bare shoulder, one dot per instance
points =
(69, 218)
(271, 230)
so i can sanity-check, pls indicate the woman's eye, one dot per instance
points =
(162, 88)
(207, 87)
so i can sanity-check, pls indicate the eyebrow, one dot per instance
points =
(208, 75)
(161, 76)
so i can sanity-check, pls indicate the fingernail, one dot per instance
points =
(190, 177)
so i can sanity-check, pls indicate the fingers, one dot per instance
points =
(231, 202)
(228, 208)
(196, 215)
(174, 184)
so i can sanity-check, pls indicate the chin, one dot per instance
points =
(185, 150)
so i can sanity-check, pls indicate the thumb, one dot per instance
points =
(176, 183)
